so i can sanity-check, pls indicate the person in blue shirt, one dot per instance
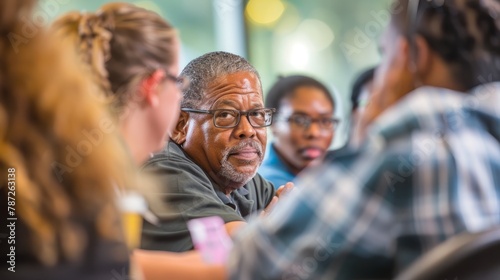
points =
(303, 128)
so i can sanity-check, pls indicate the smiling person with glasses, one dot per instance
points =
(303, 128)
(209, 168)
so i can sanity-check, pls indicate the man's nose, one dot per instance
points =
(244, 129)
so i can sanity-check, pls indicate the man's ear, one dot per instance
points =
(180, 130)
(149, 88)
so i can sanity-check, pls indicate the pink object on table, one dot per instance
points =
(210, 239)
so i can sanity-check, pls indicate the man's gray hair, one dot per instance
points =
(208, 67)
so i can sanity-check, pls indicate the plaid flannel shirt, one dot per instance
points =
(429, 170)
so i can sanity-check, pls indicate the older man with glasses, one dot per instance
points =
(210, 166)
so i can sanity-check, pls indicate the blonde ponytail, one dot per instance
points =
(121, 43)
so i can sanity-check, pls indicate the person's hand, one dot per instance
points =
(284, 190)
(280, 193)
(269, 207)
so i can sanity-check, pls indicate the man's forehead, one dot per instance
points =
(234, 86)
(245, 80)
(232, 100)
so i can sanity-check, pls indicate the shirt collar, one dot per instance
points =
(237, 200)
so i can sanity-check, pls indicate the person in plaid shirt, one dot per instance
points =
(429, 167)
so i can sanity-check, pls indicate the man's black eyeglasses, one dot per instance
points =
(226, 118)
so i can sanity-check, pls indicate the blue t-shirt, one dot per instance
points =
(274, 169)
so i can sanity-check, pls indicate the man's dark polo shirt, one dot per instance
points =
(189, 194)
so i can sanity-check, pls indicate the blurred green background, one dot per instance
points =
(331, 40)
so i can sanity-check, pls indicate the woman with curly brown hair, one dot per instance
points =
(61, 183)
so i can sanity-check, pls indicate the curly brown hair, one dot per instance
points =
(47, 112)
(464, 33)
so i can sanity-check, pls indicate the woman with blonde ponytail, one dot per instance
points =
(132, 54)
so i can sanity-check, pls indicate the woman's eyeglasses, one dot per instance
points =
(180, 81)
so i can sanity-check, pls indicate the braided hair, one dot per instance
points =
(464, 33)
(121, 43)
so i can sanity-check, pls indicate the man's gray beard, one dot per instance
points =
(228, 171)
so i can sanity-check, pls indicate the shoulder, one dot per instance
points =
(171, 157)
(362, 168)
(274, 170)
(170, 152)
(426, 108)
(175, 170)
(270, 171)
